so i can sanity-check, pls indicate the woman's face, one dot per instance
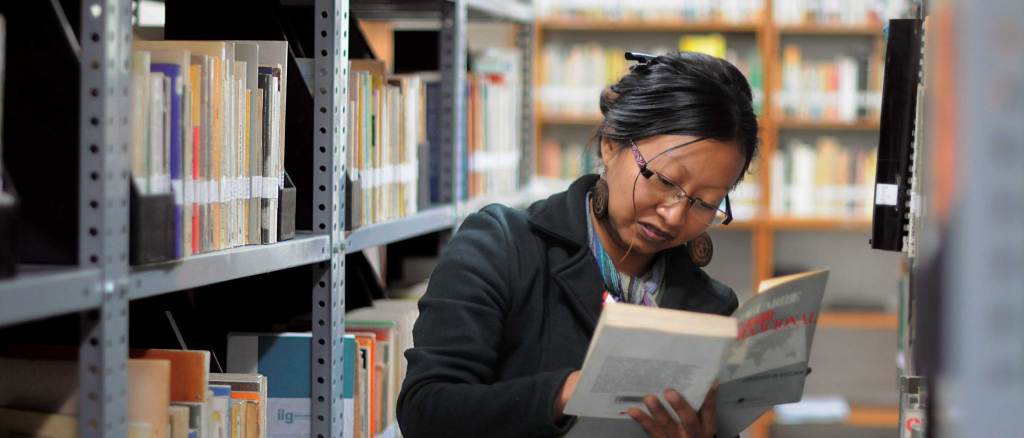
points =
(705, 169)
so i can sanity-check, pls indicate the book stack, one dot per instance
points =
(573, 75)
(375, 367)
(731, 11)
(844, 89)
(835, 12)
(171, 394)
(208, 129)
(493, 122)
(566, 162)
(388, 120)
(825, 180)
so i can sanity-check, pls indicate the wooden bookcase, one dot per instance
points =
(763, 227)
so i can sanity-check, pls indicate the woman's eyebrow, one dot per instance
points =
(682, 163)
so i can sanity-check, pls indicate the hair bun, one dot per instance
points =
(609, 96)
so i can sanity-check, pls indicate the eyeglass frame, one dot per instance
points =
(690, 200)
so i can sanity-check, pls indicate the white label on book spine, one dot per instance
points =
(886, 194)
(222, 189)
(179, 196)
(190, 191)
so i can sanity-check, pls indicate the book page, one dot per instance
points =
(624, 365)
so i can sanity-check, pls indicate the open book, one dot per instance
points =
(759, 358)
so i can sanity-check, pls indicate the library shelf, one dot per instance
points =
(859, 320)
(502, 9)
(423, 222)
(634, 25)
(43, 291)
(827, 125)
(570, 119)
(867, 30)
(507, 10)
(215, 267)
(860, 416)
(819, 224)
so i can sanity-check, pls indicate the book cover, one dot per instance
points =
(189, 371)
(284, 358)
(759, 358)
(173, 73)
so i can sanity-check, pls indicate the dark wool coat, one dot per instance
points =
(509, 313)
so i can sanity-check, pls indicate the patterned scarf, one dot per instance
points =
(643, 290)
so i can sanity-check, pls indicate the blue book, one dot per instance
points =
(173, 72)
(284, 358)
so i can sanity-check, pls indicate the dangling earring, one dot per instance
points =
(599, 199)
(701, 249)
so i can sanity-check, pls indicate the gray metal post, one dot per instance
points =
(330, 91)
(453, 94)
(103, 208)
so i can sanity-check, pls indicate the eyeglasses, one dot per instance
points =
(664, 188)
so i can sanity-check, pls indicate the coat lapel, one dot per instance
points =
(564, 216)
(581, 283)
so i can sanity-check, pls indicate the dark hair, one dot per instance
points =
(681, 93)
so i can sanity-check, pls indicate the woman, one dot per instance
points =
(511, 307)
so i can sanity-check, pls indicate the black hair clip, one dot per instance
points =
(641, 58)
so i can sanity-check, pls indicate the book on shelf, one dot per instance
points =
(388, 121)
(25, 423)
(702, 11)
(837, 13)
(170, 392)
(846, 88)
(827, 179)
(493, 124)
(374, 364)
(759, 358)
(208, 129)
(572, 76)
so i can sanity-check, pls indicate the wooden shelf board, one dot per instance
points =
(634, 25)
(873, 416)
(819, 125)
(824, 29)
(860, 416)
(823, 224)
(859, 320)
(569, 119)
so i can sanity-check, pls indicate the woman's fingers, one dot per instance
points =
(691, 422)
(708, 411)
(658, 411)
(645, 421)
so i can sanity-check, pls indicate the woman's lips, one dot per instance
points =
(653, 233)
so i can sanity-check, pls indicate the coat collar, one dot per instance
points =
(563, 216)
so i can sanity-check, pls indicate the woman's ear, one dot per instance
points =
(608, 151)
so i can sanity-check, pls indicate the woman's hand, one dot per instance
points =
(566, 393)
(694, 424)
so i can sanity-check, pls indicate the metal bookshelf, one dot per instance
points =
(100, 287)
(38, 292)
(426, 221)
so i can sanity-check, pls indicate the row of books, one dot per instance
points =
(266, 392)
(572, 160)
(388, 118)
(208, 127)
(374, 368)
(573, 76)
(827, 179)
(493, 123)
(837, 12)
(845, 88)
(170, 394)
(733, 11)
